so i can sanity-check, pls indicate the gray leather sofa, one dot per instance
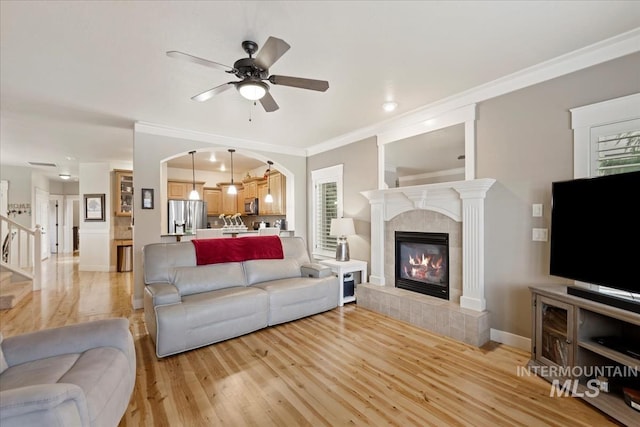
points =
(188, 306)
(76, 375)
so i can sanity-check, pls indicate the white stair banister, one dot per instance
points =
(27, 263)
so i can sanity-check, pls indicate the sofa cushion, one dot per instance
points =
(99, 372)
(263, 270)
(209, 317)
(291, 299)
(41, 371)
(3, 361)
(204, 278)
(159, 260)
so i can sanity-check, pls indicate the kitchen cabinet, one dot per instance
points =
(213, 198)
(250, 186)
(278, 191)
(123, 202)
(240, 200)
(180, 190)
(229, 201)
(263, 207)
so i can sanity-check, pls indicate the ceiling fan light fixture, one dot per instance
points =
(252, 90)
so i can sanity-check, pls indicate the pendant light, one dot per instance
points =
(269, 198)
(194, 194)
(232, 188)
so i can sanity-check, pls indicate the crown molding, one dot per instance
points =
(597, 53)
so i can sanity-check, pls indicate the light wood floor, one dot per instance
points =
(346, 367)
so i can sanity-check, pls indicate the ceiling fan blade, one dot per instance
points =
(197, 60)
(319, 85)
(272, 50)
(268, 103)
(208, 94)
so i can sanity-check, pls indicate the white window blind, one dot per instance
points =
(327, 204)
(325, 210)
(618, 153)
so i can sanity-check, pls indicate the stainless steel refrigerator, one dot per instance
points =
(185, 216)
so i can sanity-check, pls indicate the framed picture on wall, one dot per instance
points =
(94, 207)
(147, 198)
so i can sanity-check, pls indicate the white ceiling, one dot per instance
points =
(76, 75)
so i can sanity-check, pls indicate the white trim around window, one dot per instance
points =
(320, 217)
(585, 119)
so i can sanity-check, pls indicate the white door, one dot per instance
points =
(41, 213)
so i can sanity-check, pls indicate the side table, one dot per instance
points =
(343, 267)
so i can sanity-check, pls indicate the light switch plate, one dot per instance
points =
(540, 235)
(537, 209)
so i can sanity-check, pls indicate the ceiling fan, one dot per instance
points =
(253, 73)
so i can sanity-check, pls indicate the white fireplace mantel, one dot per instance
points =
(462, 201)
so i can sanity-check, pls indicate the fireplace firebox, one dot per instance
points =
(422, 262)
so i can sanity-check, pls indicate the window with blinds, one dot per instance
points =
(618, 153)
(327, 204)
(325, 210)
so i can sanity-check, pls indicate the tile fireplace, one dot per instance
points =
(422, 263)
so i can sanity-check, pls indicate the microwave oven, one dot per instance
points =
(251, 206)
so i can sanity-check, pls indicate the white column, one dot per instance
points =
(377, 241)
(472, 249)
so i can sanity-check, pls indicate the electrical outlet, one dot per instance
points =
(540, 235)
(537, 209)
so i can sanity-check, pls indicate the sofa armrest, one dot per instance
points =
(68, 339)
(45, 405)
(315, 270)
(163, 293)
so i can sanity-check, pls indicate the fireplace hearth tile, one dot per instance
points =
(430, 313)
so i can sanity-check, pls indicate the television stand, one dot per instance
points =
(577, 341)
(605, 298)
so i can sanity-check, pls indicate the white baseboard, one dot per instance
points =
(138, 303)
(510, 339)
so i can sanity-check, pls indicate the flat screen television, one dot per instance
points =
(595, 235)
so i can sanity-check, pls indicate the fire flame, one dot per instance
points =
(422, 266)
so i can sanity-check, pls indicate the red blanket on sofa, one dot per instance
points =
(237, 249)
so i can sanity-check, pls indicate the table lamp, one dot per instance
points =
(341, 228)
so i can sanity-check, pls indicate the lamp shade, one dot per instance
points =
(342, 227)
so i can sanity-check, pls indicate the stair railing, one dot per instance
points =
(22, 250)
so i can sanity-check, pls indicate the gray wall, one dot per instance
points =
(525, 141)
(360, 173)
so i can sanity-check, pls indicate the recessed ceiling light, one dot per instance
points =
(389, 106)
(64, 176)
